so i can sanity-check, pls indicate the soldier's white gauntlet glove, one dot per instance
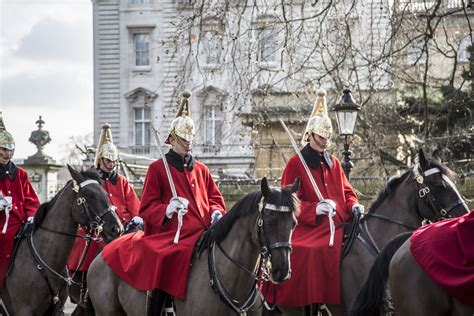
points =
(177, 204)
(216, 216)
(326, 207)
(358, 209)
(137, 220)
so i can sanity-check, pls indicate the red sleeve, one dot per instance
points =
(152, 209)
(307, 214)
(216, 200)
(31, 201)
(131, 198)
(349, 194)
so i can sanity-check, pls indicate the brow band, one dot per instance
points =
(87, 182)
(273, 207)
(431, 171)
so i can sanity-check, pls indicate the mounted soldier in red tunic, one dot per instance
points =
(315, 259)
(18, 199)
(180, 200)
(121, 195)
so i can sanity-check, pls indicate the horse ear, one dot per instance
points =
(436, 155)
(294, 187)
(422, 160)
(75, 174)
(264, 187)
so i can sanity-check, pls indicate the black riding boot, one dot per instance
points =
(155, 302)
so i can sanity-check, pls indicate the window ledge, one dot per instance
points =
(270, 66)
(141, 69)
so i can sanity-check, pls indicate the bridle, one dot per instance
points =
(94, 227)
(261, 272)
(427, 197)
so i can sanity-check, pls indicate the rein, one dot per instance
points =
(261, 271)
(95, 227)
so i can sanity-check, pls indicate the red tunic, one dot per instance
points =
(315, 266)
(25, 203)
(445, 251)
(121, 195)
(151, 260)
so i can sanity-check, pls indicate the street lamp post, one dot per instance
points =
(346, 115)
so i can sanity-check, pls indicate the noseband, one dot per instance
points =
(262, 271)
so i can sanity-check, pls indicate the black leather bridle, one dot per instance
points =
(261, 273)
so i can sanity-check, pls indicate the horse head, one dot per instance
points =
(276, 223)
(92, 209)
(438, 197)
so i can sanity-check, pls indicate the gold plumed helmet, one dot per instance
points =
(6, 139)
(105, 147)
(182, 125)
(319, 122)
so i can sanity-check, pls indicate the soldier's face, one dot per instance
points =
(317, 142)
(107, 165)
(5, 155)
(181, 146)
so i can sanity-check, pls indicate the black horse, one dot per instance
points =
(38, 279)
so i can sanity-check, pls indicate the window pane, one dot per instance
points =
(141, 42)
(147, 114)
(463, 53)
(267, 45)
(138, 134)
(138, 114)
(147, 134)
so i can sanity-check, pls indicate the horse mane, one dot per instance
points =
(46, 206)
(391, 185)
(394, 182)
(243, 207)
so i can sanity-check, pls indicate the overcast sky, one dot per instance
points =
(46, 69)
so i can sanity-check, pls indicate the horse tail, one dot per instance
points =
(370, 299)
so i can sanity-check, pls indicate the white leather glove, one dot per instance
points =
(177, 204)
(5, 202)
(137, 220)
(326, 207)
(358, 209)
(216, 216)
(30, 220)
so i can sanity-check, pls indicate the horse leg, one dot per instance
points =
(406, 277)
(102, 283)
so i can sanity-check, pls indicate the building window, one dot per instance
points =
(141, 45)
(417, 53)
(267, 45)
(212, 125)
(463, 53)
(212, 44)
(142, 126)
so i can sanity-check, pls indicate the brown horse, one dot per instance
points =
(413, 292)
(37, 281)
(424, 193)
(253, 236)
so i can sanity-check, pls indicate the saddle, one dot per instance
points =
(160, 303)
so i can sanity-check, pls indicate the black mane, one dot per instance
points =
(46, 206)
(394, 182)
(247, 205)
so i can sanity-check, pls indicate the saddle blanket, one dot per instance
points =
(445, 251)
